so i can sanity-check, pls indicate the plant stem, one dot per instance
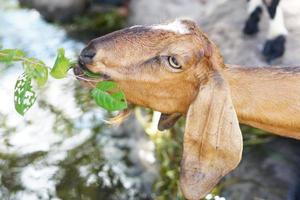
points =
(24, 59)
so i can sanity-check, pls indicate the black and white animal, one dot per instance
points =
(275, 45)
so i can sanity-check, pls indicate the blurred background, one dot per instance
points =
(62, 148)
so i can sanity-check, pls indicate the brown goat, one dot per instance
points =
(175, 69)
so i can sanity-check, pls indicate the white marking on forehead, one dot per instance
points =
(176, 26)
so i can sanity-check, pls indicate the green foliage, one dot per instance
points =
(167, 185)
(34, 69)
(109, 96)
(97, 23)
(24, 95)
(61, 65)
(253, 136)
(9, 55)
(37, 70)
(90, 74)
(168, 151)
(106, 94)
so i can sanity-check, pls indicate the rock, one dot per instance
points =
(57, 10)
(156, 11)
(267, 171)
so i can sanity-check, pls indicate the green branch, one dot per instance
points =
(106, 94)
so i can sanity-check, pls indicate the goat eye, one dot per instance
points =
(173, 62)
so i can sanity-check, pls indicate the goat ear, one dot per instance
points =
(213, 143)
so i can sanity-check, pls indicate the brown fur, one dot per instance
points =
(213, 95)
(267, 98)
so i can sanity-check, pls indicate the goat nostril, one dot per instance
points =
(87, 55)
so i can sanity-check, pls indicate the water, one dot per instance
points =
(61, 149)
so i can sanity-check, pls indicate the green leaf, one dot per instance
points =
(91, 74)
(9, 55)
(108, 96)
(61, 65)
(37, 70)
(24, 95)
(107, 86)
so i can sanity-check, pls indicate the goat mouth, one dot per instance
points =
(82, 73)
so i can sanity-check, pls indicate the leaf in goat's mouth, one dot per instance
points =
(91, 74)
(107, 93)
(108, 96)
